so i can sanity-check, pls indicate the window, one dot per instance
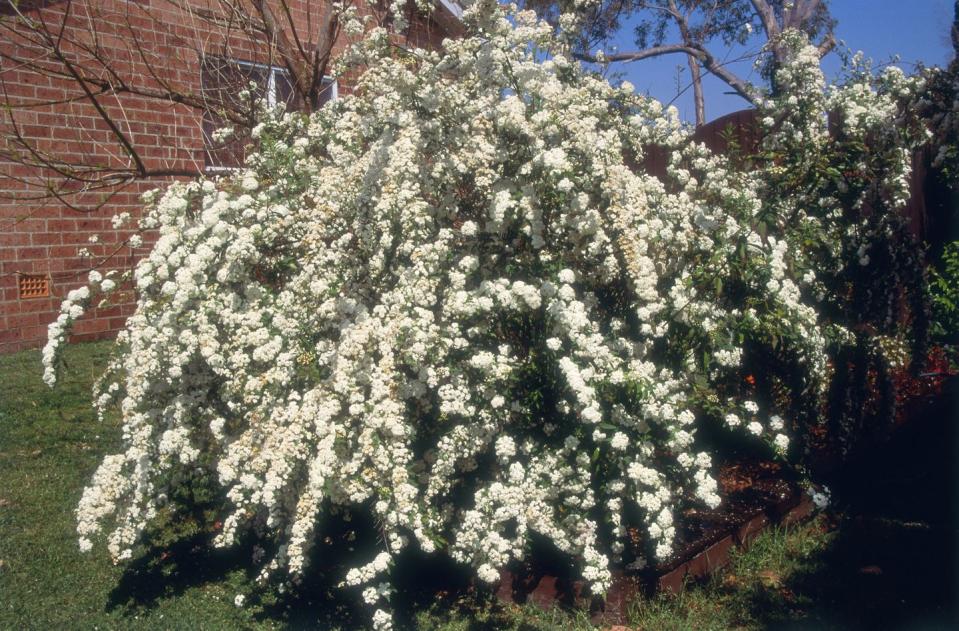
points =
(223, 82)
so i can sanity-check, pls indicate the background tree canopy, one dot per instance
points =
(694, 28)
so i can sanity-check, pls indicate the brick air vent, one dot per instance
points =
(33, 286)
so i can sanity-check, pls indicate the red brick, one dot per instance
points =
(46, 238)
(751, 529)
(47, 235)
(673, 581)
(799, 512)
(23, 320)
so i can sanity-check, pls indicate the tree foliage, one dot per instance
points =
(693, 28)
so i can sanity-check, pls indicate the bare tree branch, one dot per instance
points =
(767, 16)
(827, 44)
(655, 51)
(699, 22)
(75, 51)
(693, 62)
(742, 87)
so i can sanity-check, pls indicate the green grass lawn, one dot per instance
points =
(50, 444)
(811, 576)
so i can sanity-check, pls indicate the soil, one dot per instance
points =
(749, 488)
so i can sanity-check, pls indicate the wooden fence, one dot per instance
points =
(932, 205)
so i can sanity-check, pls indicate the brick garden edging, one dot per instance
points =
(716, 556)
(713, 556)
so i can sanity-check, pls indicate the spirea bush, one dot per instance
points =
(939, 104)
(455, 301)
(837, 162)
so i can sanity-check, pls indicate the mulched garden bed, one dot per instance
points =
(755, 493)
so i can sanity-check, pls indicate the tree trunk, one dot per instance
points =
(698, 98)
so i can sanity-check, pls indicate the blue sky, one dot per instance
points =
(915, 30)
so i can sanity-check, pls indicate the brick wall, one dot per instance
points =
(147, 43)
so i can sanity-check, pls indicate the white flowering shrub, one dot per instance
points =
(837, 162)
(939, 104)
(453, 301)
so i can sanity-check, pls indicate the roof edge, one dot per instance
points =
(449, 15)
(454, 8)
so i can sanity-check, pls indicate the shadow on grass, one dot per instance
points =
(169, 570)
(893, 563)
(425, 583)
(184, 558)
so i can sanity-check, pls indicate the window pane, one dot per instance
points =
(328, 91)
(285, 92)
(227, 154)
(221, 82)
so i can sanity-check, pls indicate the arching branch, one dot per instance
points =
(710, 63)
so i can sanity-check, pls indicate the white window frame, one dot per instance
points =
(271, 79)
(270, 101)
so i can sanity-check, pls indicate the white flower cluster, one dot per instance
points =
(72, 307)
(458, 308)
